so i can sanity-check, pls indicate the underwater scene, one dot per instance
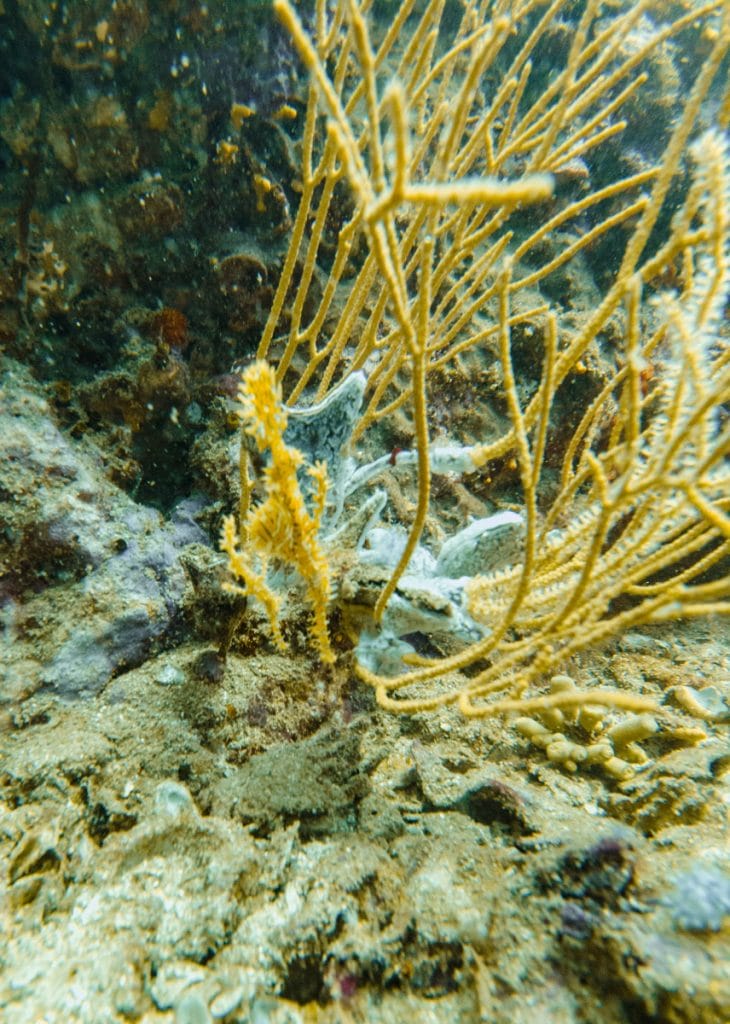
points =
(364, 511)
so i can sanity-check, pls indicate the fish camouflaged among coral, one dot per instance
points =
(364, 511)
(280, 529)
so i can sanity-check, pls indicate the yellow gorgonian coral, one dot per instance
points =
(282, 529)
(438, 132)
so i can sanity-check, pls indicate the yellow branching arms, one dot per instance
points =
(424, 149)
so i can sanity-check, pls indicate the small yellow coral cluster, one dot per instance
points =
(281, 529)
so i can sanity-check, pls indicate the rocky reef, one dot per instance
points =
(194, 826)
